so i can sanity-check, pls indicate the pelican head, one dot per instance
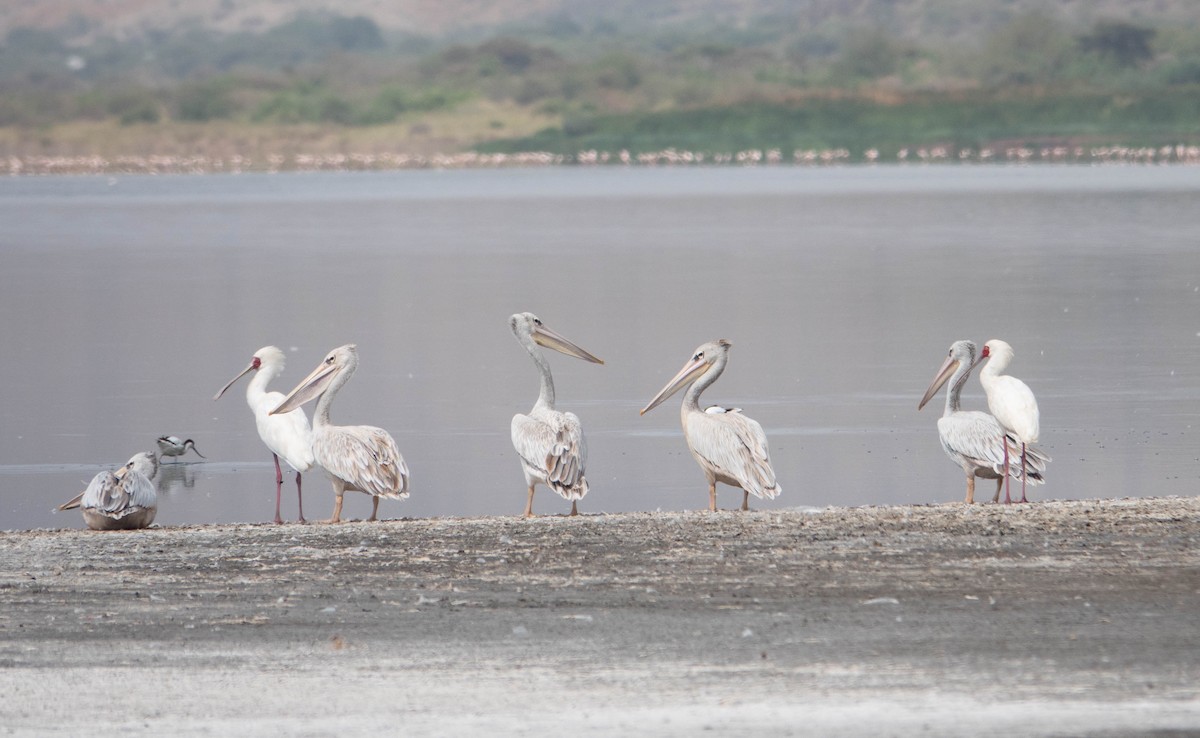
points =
(999, 352)
(145, 463)
(706, 356)
(529, 326)
(265, 356)
(343, 360)
(961, 353)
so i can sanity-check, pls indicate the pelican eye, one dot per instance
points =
(537, 321)
(698, 356)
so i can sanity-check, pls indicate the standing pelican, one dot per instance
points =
(176, 446)
(287, 435)
(729, 447)
(1010, 400)
(121, 500)
(360, 458)
(551, 445)
(972, 439)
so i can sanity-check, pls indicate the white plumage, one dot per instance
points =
(359, 458)
(550, 443)
(121, 500)
(1009, 399)
(730, 447)
(287, 435)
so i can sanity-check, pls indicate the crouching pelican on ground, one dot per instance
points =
(359, 458)
(729, 447)
(120, 500)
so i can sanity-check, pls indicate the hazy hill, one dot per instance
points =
(87, 19)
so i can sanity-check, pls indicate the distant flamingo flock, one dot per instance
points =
(198, 164)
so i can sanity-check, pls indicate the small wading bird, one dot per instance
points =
(972, 439)
(175, 446)
(730, 447)
(1011, 401)
(287, 435)
(120, 500)
(359, 458)
(550, 443)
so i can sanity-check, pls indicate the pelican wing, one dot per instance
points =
(552, 444)
(973, 437)
(116, 497)
(365, 457)
(736, 447)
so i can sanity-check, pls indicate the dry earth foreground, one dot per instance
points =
(1057, 619)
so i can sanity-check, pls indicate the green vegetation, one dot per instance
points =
(633, 76)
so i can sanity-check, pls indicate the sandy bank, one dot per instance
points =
(1054, 618)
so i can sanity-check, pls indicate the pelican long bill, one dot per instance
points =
(688, 374)
(309, 388)
(947, 369)
(552, 340)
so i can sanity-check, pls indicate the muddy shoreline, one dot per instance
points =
(1057, 618)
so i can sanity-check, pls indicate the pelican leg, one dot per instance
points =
(999, 484)
(339, 488)
(745, 500)
(1024, 474)
(374, 509)
(300, 498)
(712, 496)
(574, 508)
(529, 504)
(278, 488)
(970, 489)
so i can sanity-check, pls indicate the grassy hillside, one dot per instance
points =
(713, 76)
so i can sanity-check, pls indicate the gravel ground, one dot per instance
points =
(1056, 619)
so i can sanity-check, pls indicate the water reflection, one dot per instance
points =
(840, 290)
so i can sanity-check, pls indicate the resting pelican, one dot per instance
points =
(1010, 400)
(287, 435)
(121, 500)
(972, 439)
(729, 447)
(175, 446)
(360, 458)
(551, 445)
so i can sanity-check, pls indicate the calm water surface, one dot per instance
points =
(129, 301)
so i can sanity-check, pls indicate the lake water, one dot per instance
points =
(129, 301)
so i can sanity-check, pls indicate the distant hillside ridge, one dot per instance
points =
(90, 19)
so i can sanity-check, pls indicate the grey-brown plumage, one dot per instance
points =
(360, 458)
(120, 500)
(550, 443)
(730, 447)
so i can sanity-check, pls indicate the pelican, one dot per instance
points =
(121, 500)
(360, 458)
(729, 447)
(287, 435)
(176, 446)
(1010, 400)
(551, 445)
(972, 439)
